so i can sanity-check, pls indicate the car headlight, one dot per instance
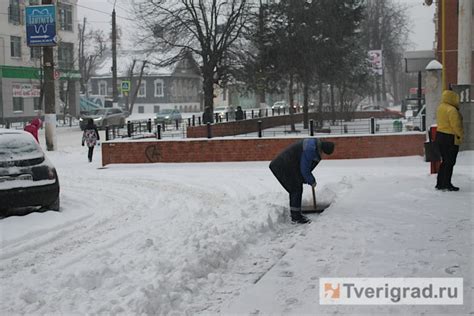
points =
(167, 117)
(81, 119)
(98, 118)
(51, 173)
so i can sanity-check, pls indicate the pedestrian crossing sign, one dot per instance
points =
(126, 86)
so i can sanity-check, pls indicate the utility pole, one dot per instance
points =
(82, 61)
(49, 95)
(114, 58)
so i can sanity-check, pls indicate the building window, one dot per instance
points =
(159, 88)
(142, 90)
(18, 104)
(141, 109)
(35, 2)
(102, 87)
(66, 55)
(65, 17)
(35, 52)
(14, 12)
(156, 109)
(36, 104)
(15, 46)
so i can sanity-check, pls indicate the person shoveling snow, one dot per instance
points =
(293, 166)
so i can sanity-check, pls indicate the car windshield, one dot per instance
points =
(99, 112)
(166, 111)
(18, 146)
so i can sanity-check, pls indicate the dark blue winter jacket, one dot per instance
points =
(293, 166)
(309, 159)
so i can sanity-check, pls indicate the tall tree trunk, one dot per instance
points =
(135, 93)
(333, 104)
(305, 104)
(130, 77)
(377, 90)
(208, 88)
(384, 89)
(396, 87)
(291, 94)
(320, 106)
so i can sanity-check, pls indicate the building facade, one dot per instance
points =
(451, 45)
(21, 66)
(178, 86)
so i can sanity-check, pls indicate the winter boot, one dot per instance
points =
(451, 187)
(298, 218)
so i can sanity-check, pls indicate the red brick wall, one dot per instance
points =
(254, 149)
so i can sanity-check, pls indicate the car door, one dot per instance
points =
(114, 117)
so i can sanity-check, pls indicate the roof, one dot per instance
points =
(157, 64)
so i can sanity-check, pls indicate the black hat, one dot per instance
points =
(327, 147)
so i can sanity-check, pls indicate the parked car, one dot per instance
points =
(105, 117)
(280, 105)
(27, 177)
(222, 110)
(168, 116)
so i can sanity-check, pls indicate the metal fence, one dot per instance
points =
(68, 122)
(148, 129)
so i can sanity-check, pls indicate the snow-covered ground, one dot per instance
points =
(214, 238)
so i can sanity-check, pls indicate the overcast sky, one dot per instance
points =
(421, 16)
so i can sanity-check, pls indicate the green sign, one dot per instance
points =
(126, 86)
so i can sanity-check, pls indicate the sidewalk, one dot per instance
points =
(385, 225)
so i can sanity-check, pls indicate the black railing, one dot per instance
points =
(148, 129)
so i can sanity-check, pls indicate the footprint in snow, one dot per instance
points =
(287, 274)
(291, 301)
(451, 269)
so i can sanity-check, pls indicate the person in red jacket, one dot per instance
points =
(33, 128)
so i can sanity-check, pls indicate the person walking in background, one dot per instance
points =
(33, 128)
(449, 135)
(293, 166)
(239, 114)
(91, 137)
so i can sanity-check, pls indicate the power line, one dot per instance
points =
(96, 10)
(103, 12)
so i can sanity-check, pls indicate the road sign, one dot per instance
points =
(126, 86)
(41, 25)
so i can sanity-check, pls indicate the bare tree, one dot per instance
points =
(210, 29)
(92, 44)
(387, 27)
(134, 88)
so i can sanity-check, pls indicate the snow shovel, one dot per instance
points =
(315, 208)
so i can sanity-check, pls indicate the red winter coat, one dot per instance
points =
(33, 128)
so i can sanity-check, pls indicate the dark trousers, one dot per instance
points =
(449, 153)
(91, 152)
(295, 200)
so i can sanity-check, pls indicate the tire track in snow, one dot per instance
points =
(100, 226)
